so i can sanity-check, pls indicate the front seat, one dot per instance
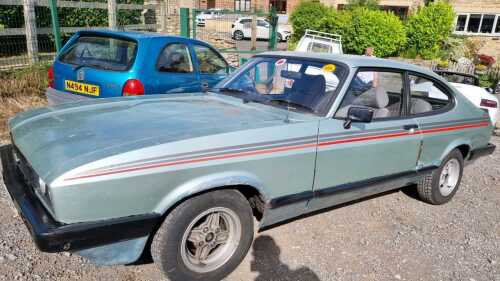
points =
(377, 99)
(308, 90)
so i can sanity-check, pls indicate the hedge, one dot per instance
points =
(360, 27)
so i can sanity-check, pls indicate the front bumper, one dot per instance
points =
(56, 97)
(483, 151)
(52, 236)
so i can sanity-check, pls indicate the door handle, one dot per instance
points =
(410, 127)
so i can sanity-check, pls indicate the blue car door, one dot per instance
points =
(174, 70)
(212, 67)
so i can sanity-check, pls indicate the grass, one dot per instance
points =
(21, 89)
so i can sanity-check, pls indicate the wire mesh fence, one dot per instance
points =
(27, 37)
(237, 33)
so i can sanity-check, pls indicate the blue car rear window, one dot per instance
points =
(100, 52)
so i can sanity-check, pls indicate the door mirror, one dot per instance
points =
(358, 114)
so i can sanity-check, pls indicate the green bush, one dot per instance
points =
(362, 28)
(429, 28)
(307, 15)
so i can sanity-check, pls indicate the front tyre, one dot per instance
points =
(205, 237)
(441, 185)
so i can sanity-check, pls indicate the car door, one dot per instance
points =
(174, 70)
(212, 67)
(262, 29)
(352, 161)
(246, 27)
(429, 101)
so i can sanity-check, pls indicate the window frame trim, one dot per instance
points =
(441, 86)
(405, 95)
(194, 45)
(479, 33)
(161, 53)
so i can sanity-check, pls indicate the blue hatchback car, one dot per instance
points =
(105, 63)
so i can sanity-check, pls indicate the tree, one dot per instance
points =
(429, 28)
(307, 15)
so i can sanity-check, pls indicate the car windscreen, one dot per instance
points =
(297, 84)
(108, 53)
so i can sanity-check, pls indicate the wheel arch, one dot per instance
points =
(247, 184)
(462, 145)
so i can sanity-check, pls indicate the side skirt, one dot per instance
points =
(333, 196)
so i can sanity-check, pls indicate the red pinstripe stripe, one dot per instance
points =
(281, 149)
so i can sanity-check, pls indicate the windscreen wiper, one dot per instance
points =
(291, 104)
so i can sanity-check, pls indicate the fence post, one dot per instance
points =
(184, 21)
(30, 26)
(273, 30)
(112, 14)
(194, 13)
(163, 16)
(55, 24)
(254, 33)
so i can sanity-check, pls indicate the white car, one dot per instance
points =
(242, 28)
(466, 84)
(481, 98)
(207, 15)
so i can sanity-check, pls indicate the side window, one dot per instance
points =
(262, 23)
(425, 96)
(245, 21)
(380, 90)
(175, 58)
(210, 62)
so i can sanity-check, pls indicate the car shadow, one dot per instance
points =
(266, 262)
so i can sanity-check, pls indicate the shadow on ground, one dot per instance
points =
(266, 262)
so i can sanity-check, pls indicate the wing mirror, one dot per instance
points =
(358, 114)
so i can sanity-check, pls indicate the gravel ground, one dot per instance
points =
(390, 237)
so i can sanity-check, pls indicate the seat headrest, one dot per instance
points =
(375, 97)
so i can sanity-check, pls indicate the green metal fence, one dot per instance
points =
(218, 27)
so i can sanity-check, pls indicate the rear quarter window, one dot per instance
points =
(101, 52)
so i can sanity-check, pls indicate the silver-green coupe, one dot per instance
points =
(184, 176)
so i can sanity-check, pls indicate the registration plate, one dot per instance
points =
(82, 88)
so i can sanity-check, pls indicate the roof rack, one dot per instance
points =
(323, 35)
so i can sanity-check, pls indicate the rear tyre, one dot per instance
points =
(205, 237)
(238, 35)
(280, 38)
(441, 185)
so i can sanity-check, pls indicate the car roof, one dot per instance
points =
(353, 61)
(137, 35)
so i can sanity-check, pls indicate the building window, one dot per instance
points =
(279, 6)
(242, 5)
(400, 11)
(478, 24)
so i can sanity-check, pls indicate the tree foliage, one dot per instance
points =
(360, 28)
(429, 28)
(307, 15)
